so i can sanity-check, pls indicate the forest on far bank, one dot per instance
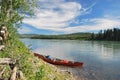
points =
(73, 36)
(108, 34)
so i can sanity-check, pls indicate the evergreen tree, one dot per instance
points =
(92, 36)
(109, 34)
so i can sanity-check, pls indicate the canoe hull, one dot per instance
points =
(58, 62)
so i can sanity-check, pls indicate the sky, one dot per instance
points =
(72, 16)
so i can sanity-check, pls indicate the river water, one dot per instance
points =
(101, 58)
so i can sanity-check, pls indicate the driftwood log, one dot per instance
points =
(2, 72)
(14, 73)
(17, 74)
(7, 61)
(21, 76)
(2, 47)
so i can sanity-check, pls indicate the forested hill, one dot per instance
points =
(109, 35)
(62, 36)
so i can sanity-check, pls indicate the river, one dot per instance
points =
(101, 58)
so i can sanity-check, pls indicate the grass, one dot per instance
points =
(32, 67)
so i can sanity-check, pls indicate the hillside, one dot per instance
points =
(73, 36)
(31, 67)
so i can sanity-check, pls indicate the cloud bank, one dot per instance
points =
(57, 15)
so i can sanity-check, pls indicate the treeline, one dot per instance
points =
(109, 34)
(74, 36)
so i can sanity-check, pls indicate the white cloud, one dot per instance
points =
(57, 15)
(54, 14)
(98, 24)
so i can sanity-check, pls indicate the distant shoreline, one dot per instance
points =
(74, 36)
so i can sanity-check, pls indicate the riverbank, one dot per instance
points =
(66, 73)
(31, 67)
(74, 72)
(99, 57)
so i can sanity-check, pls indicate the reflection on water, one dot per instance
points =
(101, 58)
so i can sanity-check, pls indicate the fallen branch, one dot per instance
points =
(2, 72)
(6, 61)
(14, 73)
(2, 47)
(21, 76)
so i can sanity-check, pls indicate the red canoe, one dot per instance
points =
(59, 62)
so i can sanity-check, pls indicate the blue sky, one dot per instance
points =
(71, 16)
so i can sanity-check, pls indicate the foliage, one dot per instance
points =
(109, 34)
(13, 11)
(40, 74)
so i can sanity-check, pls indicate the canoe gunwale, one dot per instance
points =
(55, 62)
